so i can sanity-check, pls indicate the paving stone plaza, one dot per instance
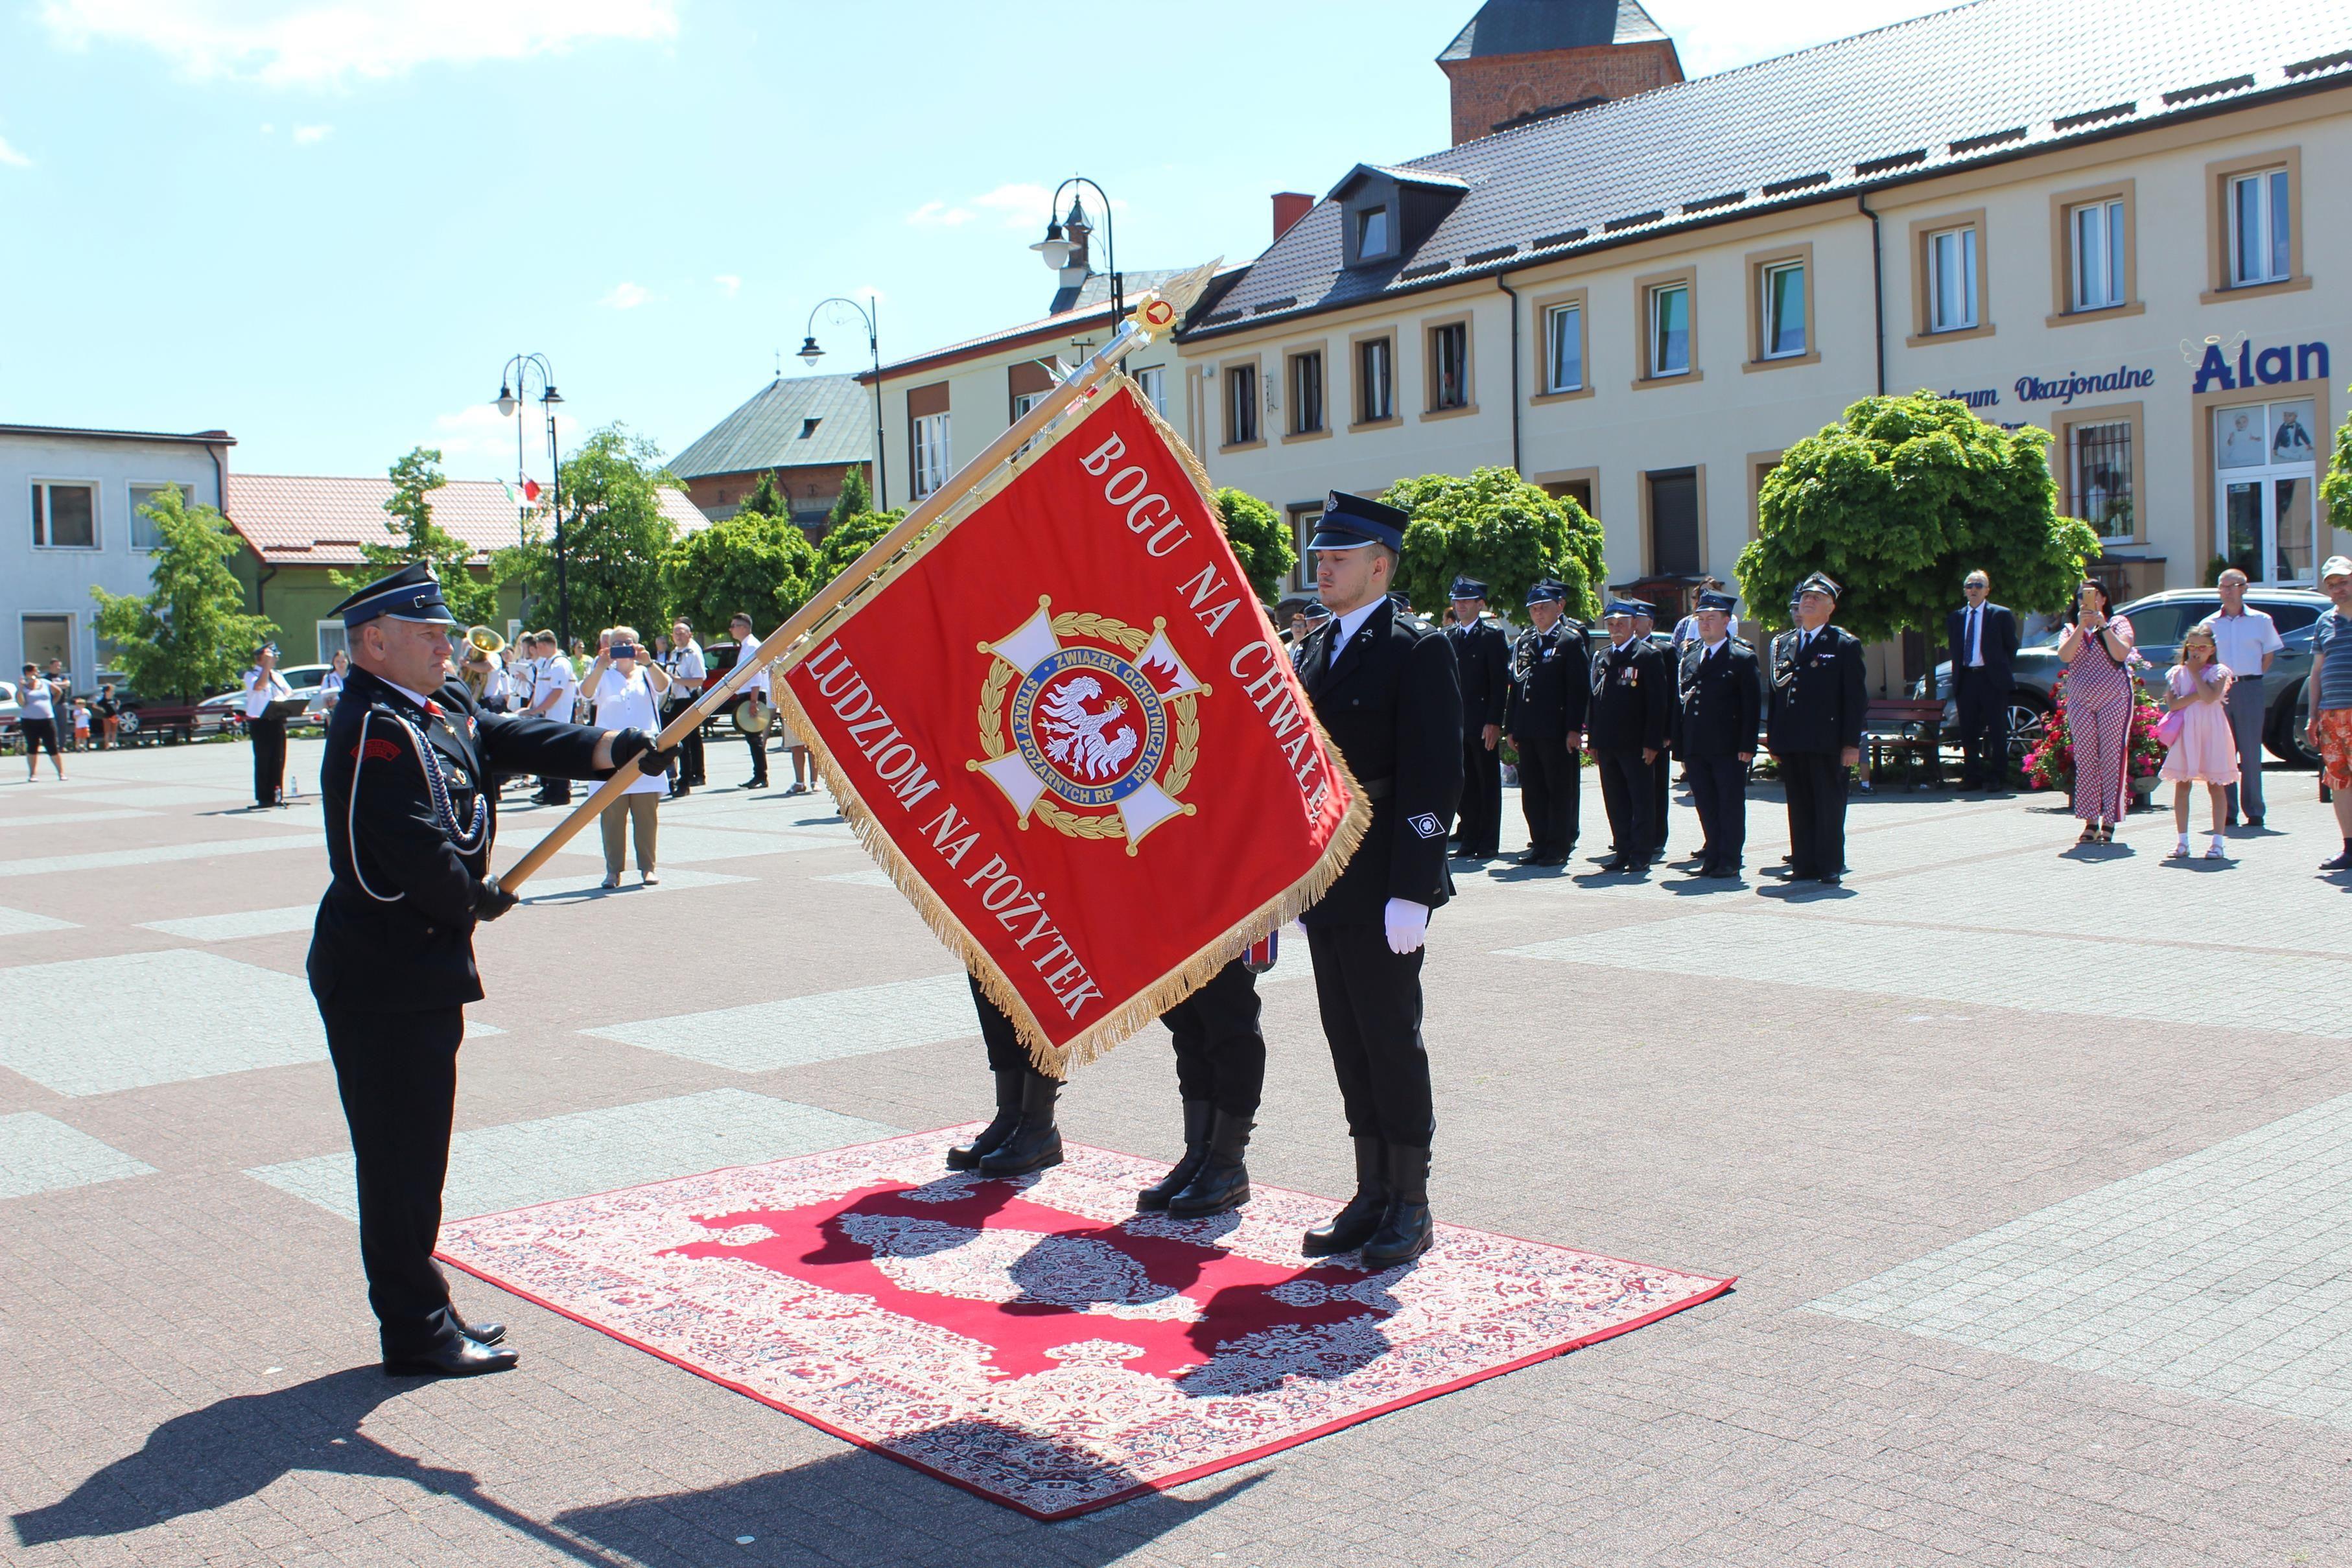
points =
(2035, 1166)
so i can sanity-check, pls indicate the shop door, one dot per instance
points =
(2265, 470)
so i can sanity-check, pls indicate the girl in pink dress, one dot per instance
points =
(2204, 752)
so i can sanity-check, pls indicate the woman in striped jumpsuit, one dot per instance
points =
(2097, 649)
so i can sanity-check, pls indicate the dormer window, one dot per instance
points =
(808, 427)
(1387, 214)
(1372, 232)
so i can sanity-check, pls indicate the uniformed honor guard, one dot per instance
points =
(1386, 690)
(1482, 660)
(1625, 730)
(1550, 686)
(1645, 621)
(1814, 728)
(1720, 702)
(410, 823)
(1220, 1077)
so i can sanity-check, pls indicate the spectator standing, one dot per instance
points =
(688, 671)
(263, 686)
(625, 686)
(1982, 641)
(2097, 648)
(556, 693)
(36, 717)
(2204, 752)
(106, 709)
(2245, 640)
(2329, 730)
(331, 684)
(81, 725)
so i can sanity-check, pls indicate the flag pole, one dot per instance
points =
(1129, 337)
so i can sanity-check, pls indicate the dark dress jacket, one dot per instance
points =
(1631, 700)
(1482, 659)
(1719, 702)
(1392, 702)
(1817, 700)
(411, 818)
(1999, 639)
(1550, 684)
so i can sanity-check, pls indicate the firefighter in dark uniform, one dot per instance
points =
(1719, 694)
(1662, 771)
(1388, 693)
(1625, 730)
(1814, 728)
(1482, 660)
(1550, 685)
(1220, 1076)
(411, 817)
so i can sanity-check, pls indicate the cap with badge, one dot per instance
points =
(1821, 583)
(1317, 613)
(1548, 591)
(1723, 602)
(1352, 522)
(1642, 608)
(411, 593)
(1467, 588)
(1627, 607)
(2337, 566)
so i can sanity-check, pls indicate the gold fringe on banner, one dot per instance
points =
(1121, 1023)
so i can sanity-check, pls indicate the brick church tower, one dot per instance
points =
(1523, 59)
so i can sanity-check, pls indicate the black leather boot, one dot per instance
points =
(1223, 1181)
(1197, 1112)
(1353, 1226)
(1036, 1143)
(1008, 1116)
(1405, 1230)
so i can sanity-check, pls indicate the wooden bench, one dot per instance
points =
(1907, 726)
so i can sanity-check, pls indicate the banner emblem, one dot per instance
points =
(1103, 731)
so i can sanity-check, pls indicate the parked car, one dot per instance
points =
(303, 678)
(2158, 622)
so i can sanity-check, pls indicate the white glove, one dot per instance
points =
(1408, 924)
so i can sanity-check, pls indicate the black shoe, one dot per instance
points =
(2256, 822)
(1729, 869)
(1534, 857)
(755, 784)
(1222, 1181)
(1198, 1115)
(1617, 867)
(1354, 1225)
(480, 1333)
(1008, 1116)
(1405, 1229)
(2341, 862)
(1832, 882)
(1035, 1144)
(680, 792)
(1550, 860)
(460, 1357)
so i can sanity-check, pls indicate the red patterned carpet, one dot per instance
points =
(1037, 1341)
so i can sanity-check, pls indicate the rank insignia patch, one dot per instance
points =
(1426, 824)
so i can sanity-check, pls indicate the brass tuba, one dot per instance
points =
(483, 646)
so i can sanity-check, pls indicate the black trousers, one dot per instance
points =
(269, 758)
(759, 747)
(1551, 789)
(1220, 1047)
(1984, 728)
(1626, 786)
(1005, 1052)
(1719, 790)
(1662, 774)
(1370, 1002)
(687, 770)
(1816, 786)
(1480, 820)
(397, 1075)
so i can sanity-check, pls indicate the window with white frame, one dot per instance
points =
(1783, 307)
(932, 456)
(1564, 349)
(1152, 381)
(1449, 366)
(2260, 228)
(2099, 472)
(2097, 233)
(1952, 280)
(1375, 380)
(1240, 405)
(144, 535)
(1670, 320)
(1023, 402)
(335, 637)
(65, 516)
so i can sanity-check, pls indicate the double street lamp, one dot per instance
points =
(811, 353)
(513, 391)
(1064, 247)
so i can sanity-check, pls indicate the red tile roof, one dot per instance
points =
(308, 519)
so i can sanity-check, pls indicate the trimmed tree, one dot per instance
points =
(765, 499)
(1497, 527)
(417, 538)
(855, 499)
(1899, 502)
(1261, 541)
(850, 538)
(617, 537)
(754, 561)
(190, 634)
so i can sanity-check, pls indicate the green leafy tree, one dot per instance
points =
(1899, 503)
(1260, 540)
(415, 537)
(855, 499)
(754, 561)
(190, 634)
(2335, 490)
(616, 536)
(850, 539)
(765, 500)
(1499, 528)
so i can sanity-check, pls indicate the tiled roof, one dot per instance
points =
(1092, 310)
(1535, 26)
(1974, 85)
(308, 519)
(773, 430)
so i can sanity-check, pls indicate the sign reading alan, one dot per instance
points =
(1065, 726)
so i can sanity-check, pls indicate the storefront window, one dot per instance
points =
(2266, 466)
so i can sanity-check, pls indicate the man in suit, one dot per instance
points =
(1981, 638)
(1645, 621)
(1625, 730)
(1387, 692)
(1545, 720)
(1482, 658)
(1719, 694)
(1814, 728)
(410, 816)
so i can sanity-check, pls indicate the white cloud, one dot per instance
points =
(477, 441)
(319, 43)
(939, 216)
(310, 135)
(267, 128)
(729, 284)
(626, 296)
(11, 157)
(1017, 205)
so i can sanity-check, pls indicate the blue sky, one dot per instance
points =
(324, 227)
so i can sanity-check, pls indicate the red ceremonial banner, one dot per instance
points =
(1067, 728)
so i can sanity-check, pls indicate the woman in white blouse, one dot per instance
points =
(626, 684)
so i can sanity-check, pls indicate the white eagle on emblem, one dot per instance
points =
(1074, 732)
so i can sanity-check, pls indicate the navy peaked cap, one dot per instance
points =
(411, 593)
(1467, 588)
(1627, 607)
(1548, 591)
(1819, 582)
(1723, 602)
(1350, 522)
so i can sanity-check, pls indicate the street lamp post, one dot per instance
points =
(1061, 253)
(811, 353)
(512, 392)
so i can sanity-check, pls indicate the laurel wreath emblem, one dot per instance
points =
(1133, 639)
